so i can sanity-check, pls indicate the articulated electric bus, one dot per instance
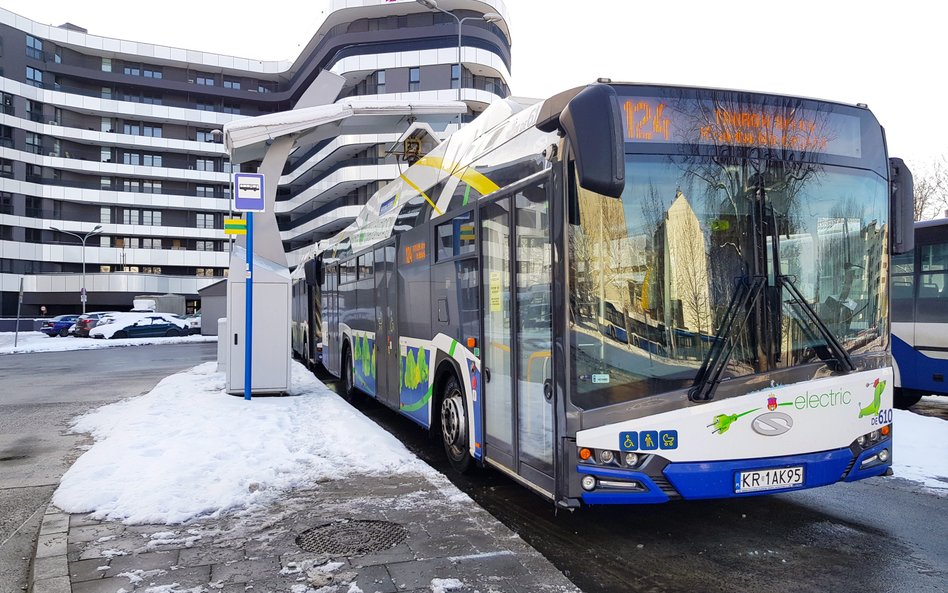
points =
(920, 315)
(632, 294)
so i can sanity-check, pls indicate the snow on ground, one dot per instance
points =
(920, 452)
(40, 342)
(188, 449)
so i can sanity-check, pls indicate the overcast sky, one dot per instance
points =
(889, 55)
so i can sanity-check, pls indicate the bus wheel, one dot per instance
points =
(454, 426)
(348, 381)
(905, 398)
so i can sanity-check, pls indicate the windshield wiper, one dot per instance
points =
(833, 349)
(735, 318)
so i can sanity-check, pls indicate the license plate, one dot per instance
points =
(768, 479)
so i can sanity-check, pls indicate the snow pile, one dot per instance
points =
(28, 342)
(188, 449)
(920, 451)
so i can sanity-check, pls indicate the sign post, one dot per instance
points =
(16, 335)
(249, 197)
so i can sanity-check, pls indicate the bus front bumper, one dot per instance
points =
(721, 479)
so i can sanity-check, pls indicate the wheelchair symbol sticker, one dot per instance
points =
(628, 441)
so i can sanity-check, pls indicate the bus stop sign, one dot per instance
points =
(248, 192)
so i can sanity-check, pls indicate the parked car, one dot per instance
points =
(88, 321)
(59, 325)
(194, 322)
(139, 325)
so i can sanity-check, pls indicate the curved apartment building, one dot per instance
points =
(111, 155)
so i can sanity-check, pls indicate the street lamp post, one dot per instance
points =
(490, 17)
(218, 133)
(83, 238)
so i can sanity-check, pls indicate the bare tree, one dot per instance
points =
(931, 190)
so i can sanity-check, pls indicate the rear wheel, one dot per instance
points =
(171, 333)
(348, 380)
(120, 334)
(905, 398)
(455, 425)
(64, 332)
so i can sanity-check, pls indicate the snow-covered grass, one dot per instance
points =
(920, 452)
(188, 449)
(40, 342)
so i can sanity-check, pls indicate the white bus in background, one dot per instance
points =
(920, 315)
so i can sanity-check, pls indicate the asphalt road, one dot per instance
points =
(878, 535)
(39, 394)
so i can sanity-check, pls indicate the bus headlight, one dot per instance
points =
(883, 455)
(861, 441)
(631, 459)
(589, 483)
(873, 436)
(606, 457)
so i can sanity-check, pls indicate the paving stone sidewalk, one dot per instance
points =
(361, 535)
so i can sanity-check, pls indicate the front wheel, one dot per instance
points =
(172, 333)
(119, 334)
(905, 398)
(455, 426)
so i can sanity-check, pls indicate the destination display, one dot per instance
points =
(669, 120)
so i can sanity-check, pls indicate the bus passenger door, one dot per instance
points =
(516, 270)
(386, 335)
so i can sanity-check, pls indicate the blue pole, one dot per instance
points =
(248, 342)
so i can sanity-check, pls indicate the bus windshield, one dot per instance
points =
(654, 275)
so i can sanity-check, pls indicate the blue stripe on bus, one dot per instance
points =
(916, 371)
(715, 479)
(876, 470)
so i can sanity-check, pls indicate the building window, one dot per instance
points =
(105, 154)
(106, 92)
(148, 243)
(6, 203)
(6, 136)
(152, 160)
(34, 143)
(205, 79)
(34, 47)
(204, 271)
(106, 64)
(151, 217)
(414, 79)
(153, 130)
(6, 168)
(204, 106)
(151, 72)
(455, 76)
(132, 129)
(105, 215)
(205, 165)
(34, 236)
(34, 111)
(264, 87)
(208, 136)
(231, 108)
(232, 84)
(204, 245)
(34, 77)
(133, 70)
(205, 221)
(134, 185)
(104, 182)
(151, 269)
(380, 82)
(129, 158)
(130, 216)
(151, 187)
(6, 103)
(205, 191)
(105, 242)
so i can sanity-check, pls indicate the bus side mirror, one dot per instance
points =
(592, 123)
(320, 274)
(902, 206)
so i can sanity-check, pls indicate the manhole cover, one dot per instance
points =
(351, 537)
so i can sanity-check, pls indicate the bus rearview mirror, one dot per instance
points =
(902, 206)
(591, 122)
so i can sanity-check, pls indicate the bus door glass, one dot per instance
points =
(386, 338)
(516, 266)
(498, 361)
